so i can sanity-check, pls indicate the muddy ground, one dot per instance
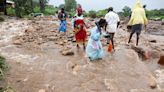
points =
(34, 52)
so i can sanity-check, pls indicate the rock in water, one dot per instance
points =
(29, 30)
(141, 52)
(65, 41)
(17, 42)
(67, 53)
(152, 82)
(153, 41)
(51, 38)
(61, 43)
(162, 23)
(161, 60)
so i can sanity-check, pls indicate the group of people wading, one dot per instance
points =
(106, 27)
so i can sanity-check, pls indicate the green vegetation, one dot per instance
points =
(49, 10)
(155, 14)
(101, 13)
(92, 14)
(25, 7)
(151, 14)
(70, 5)
(3, 67)
(98, 14)
(126, 11)
(7, 89)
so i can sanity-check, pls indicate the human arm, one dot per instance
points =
(118, 21)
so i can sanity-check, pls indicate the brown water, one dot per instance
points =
(46, 69)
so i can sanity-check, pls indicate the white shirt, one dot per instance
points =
(112, 18)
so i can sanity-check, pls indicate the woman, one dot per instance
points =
(79, 29)
(94, 48)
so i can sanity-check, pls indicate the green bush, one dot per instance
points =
(11, 11)
(50, 10)
(92, 14)
(156, 17)
(7, 89)
(37, 9)
(101, 13)
(72, 13)
(161, 17)
(3, 67)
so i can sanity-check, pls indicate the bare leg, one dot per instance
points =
(78, 46)
(112, 37)
(137, 39)
(108, 40)
(84, 45)
(130, 37)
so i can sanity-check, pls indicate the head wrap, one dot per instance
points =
(138, 5)
(79, 10)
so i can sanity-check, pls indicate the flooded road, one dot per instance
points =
(42, 68)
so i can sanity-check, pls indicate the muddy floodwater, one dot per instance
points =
(33, 51)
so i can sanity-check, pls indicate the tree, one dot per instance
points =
(32, 5)
(23, 7)
(3, 6)
(5, 11)
(126, 11)
(70, 5)
(102, 13)
(19, 7)
(42, 5)
(92, 14)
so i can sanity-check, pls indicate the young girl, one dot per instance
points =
(94, 48)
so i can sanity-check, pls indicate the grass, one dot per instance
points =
(7, 89)
(157, 17)
(3, 67)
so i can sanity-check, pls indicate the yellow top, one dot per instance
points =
(138, 15)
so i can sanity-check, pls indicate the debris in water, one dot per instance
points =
(17, 42)
(161, 60)
(153, 41)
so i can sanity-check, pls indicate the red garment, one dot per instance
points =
(81, 35)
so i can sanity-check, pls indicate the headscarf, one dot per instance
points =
(79, 10)
(137, 5)
(138, 17)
